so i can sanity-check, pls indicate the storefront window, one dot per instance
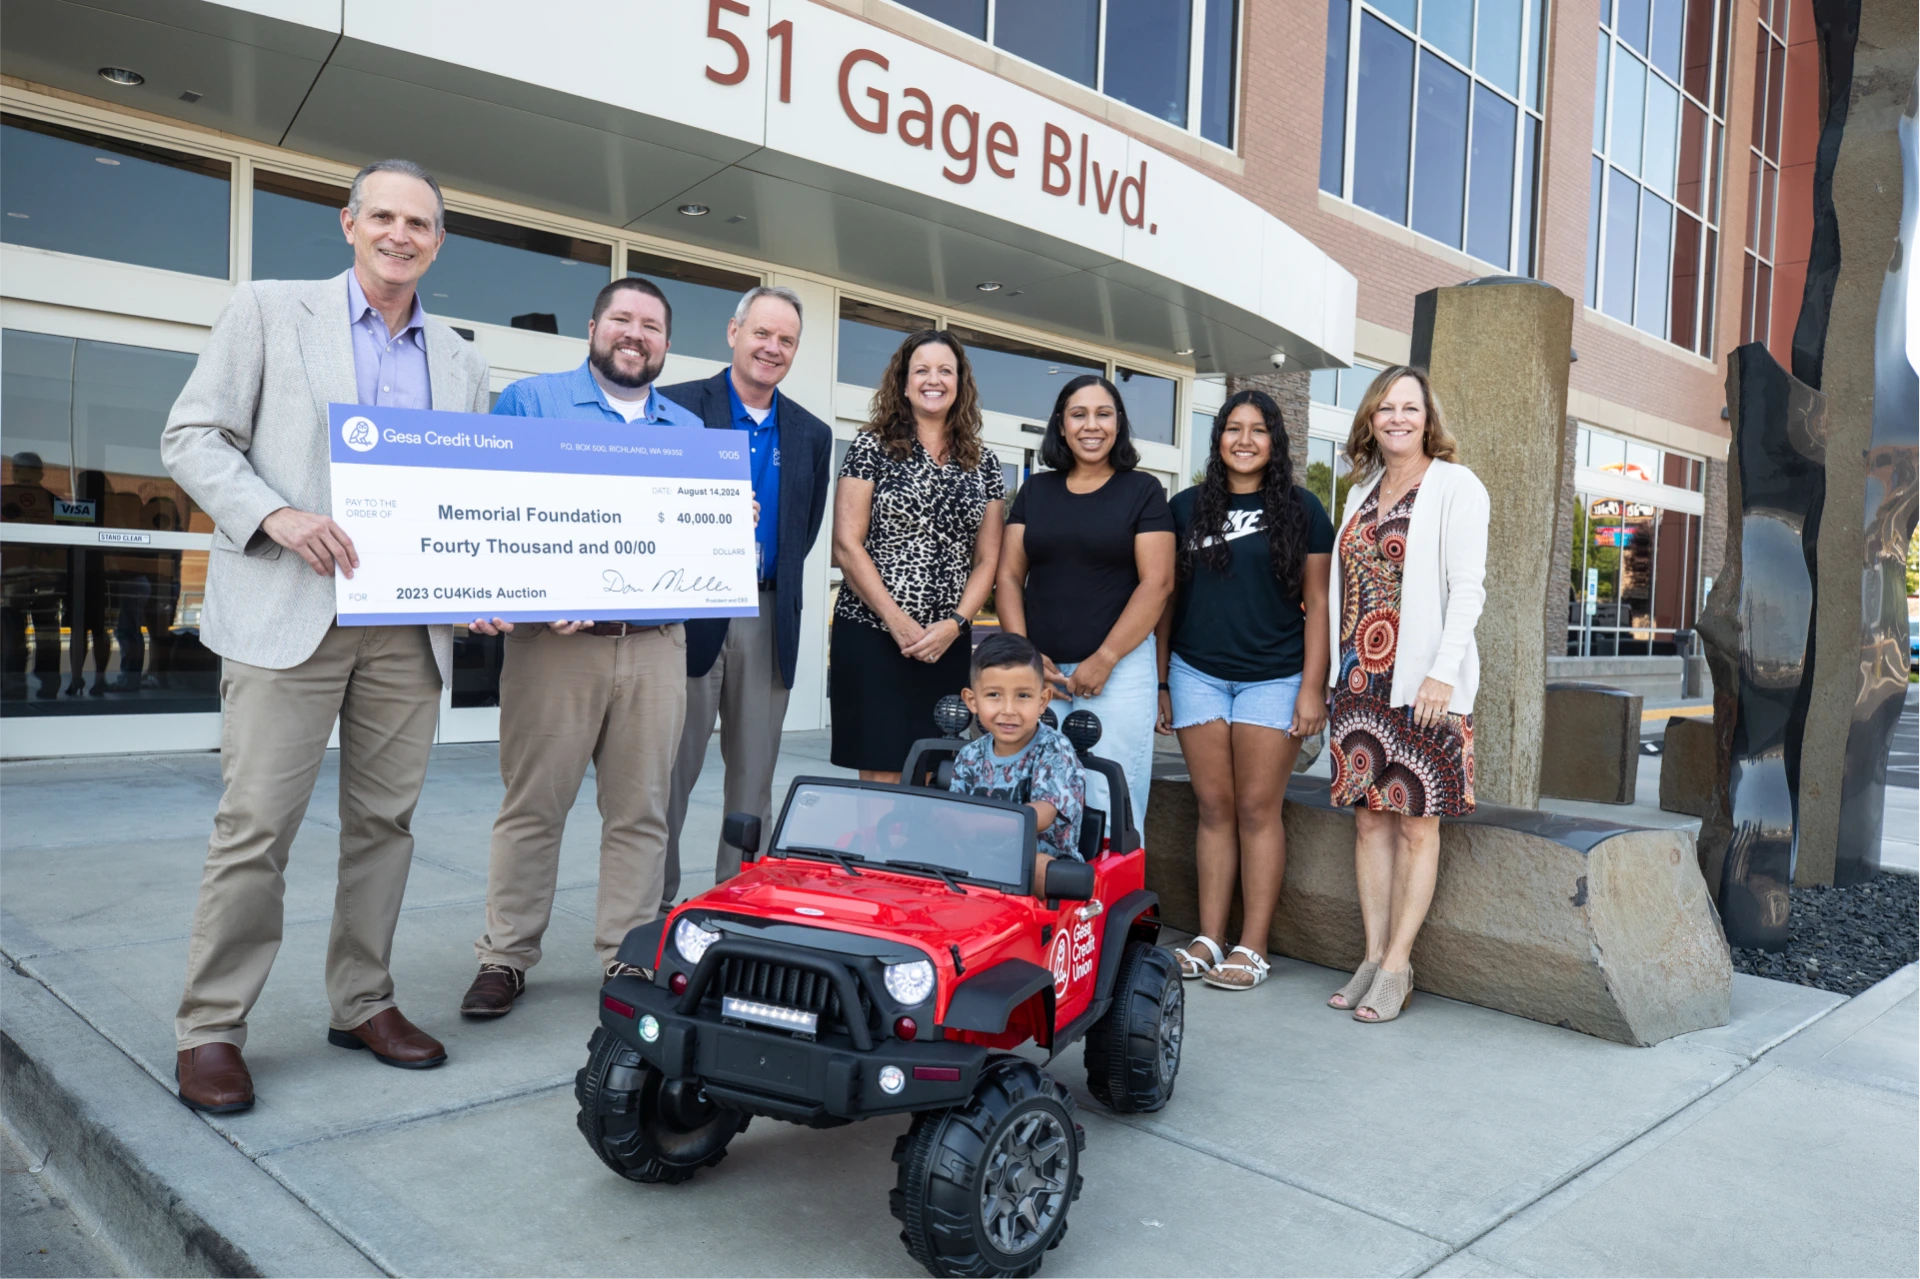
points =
(1060, 35)
(1150, 405)
(1329, 475)
(1446, 116)
(1146, 60)
(76, 192)
(80, 421)
(1018, 377)
(86, 630)
(969, 16)
(702, 297)
(296, 228)
(487, 271)
(868, 337)
(1147, 56)
(1634, 578)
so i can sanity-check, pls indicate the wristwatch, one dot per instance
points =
(1165, 687)
(957, 620)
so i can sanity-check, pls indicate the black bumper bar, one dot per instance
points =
(768, 1072)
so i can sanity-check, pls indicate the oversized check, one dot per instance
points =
(464, 515)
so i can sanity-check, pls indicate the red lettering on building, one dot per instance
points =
(1137, 188)
(996, 131)
(716, 32)
(972, 152)
(879, 123)
(1103, 197)
(923, 136)
(1056, 160)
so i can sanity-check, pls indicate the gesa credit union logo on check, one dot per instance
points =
(359, 434)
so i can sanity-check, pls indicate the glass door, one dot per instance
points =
(103, 558)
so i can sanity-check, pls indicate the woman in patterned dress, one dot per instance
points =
(1408, 571)
(917, 518)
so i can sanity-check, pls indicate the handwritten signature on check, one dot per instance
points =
(614, 582)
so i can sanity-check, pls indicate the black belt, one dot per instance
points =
(618, 629)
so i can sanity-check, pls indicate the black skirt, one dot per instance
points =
(882, 702)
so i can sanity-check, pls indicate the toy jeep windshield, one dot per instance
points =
(883, 955)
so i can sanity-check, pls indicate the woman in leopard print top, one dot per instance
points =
(916, 534)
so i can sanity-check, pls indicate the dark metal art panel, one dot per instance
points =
(1759, 634)
(1892, 462)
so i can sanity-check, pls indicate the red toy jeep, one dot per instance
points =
(881, 956)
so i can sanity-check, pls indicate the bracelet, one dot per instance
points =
(957, 620)
(1165, 687)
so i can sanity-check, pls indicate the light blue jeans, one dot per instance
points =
(1128, 704)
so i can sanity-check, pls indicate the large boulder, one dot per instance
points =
(1591, 925)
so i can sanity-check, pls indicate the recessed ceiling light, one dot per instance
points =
(19, 215)
(121, 76)
(695, 210)
(988, 286)
(1184, 351)
(102, 159)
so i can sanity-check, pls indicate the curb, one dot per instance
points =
(176, 1198)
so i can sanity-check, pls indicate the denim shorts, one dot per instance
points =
(1199, 698)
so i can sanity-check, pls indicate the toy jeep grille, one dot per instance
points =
(788, 987)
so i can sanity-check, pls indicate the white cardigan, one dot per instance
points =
(1442, 585)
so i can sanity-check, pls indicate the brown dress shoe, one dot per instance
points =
(214, 1078)
(493, 991)
(393, 1039)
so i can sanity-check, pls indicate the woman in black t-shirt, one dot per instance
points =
(1085, 570)
(1244, 672)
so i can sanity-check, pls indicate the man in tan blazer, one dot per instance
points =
(248, 440)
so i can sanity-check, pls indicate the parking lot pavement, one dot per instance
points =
(1298, 1141)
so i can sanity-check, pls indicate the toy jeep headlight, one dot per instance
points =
(692, 941)
(910, 983)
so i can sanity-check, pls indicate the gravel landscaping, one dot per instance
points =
(1844, 939)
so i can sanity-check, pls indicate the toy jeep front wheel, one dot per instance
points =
(643, 1125)
(1133, 1053)
(984, 1188)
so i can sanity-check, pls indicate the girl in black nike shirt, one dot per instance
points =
(1243, 670)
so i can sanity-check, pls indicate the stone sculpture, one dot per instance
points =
(1848, 344)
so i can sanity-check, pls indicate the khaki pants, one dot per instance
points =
(381, 683)
(565, 700)
(744, 689)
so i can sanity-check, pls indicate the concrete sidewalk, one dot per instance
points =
(1456, 1140)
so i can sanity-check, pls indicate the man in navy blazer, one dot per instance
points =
(742, 668)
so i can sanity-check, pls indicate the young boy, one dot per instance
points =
(1022, 759)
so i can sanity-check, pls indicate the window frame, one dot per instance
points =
(1712, 183)
(1523, 242)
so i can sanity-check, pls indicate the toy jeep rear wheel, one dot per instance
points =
(1133, 1053)
(643, 1125)
(984, 1187)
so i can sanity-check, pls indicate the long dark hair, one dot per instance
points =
(1286, 517)
(1054, 453)
(891, 417)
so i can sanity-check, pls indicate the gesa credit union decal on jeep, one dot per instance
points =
(1072, 956)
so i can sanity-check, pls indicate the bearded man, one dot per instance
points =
(613, 693)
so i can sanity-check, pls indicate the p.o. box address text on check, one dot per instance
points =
(463, 515)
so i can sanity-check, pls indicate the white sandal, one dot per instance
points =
(1192, 965)
(1259, 968)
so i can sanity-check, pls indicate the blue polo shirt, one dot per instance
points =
(763, 450)
(577, 395)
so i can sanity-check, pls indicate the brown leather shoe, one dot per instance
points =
(393, 1039)
(493, 991)
(214, 1078)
